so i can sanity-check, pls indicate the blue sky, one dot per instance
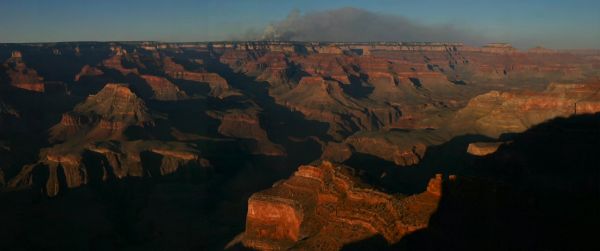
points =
(552, 23)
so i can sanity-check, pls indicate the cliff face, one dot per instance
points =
(219, 87)
(163, 88)
(21, 76)
(92, 146)
(491, 114)
(258, 110)
(115, 62)
(63, 166)
(104, 115)
(325, 100)
(495, 113)
(408, 86)
(245, 124)
(325, 207)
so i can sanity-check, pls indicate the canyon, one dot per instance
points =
(297, 145)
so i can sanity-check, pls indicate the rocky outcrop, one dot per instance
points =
(324, 100)
(404, 148)
(218, 85)
(491, 114)
(88, 71)
(67, 166)
(92, 145)
(495, 113)
(483, 148)
(21, 76)
(103, 115)
(115, 63)
(325, 207)
(163, 88)
(245, 124)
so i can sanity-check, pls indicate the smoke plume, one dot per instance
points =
(357, 25)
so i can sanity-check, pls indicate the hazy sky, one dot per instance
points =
(525, 23)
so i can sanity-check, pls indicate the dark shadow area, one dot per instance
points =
(459, 82)
(294, 72)
(416, 82)
(98, 170)
(67, 63)
(448, 158)
(541, 192)
(193, 88)
(356, 88)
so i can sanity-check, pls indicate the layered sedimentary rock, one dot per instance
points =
(491, 114)
(495, 113)
(163, 88)
(115, 62)
(104, 115)
(245, 124)
(21, 76)
(325, 207)
(218, 85)
(324, 100)
(424, 82)
(64, 166)
(404, 148)
(487, 65)
(93, 146)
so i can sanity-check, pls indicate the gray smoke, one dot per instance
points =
(357, 25)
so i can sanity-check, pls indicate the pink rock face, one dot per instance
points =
(326, 207)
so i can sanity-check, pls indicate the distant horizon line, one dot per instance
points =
(279, 41)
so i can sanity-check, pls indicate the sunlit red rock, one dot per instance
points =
(325, 207)
(483, 148)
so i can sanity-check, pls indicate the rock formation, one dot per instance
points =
(491, 114)
(325, 207)
(104, 115)
(163, 88)
(70, 167)
(21, 76)
(218, 85)
(245, 124)
(483, 148)
(88, 71)
(495, 113)
(115, 62)
(93, 147)
(258, 109)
